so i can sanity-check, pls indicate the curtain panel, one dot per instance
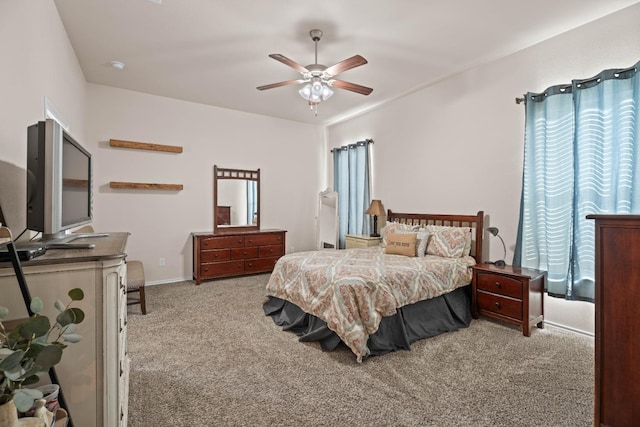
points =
(351, 182)
(581, 157)
(252, 201)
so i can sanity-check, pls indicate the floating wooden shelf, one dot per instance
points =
(68, 182)
(145, 186)
(145, 146)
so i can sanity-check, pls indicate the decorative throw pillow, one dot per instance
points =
(401, 244)
(449, 242)
(394, 227)
(422, 238)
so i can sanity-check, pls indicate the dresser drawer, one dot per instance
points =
(499, 284)
(498, 304)
(215, 255)
(260, 264)
(270, 251)
(221, 268)
(242, 253)
(222, 242)
(266, 239)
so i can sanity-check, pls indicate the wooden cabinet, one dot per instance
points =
(361, 241)
(223, 215)
(617, 340)
(93, 373)
(236, 254)
(509, 293)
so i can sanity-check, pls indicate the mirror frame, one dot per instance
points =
(243, 174)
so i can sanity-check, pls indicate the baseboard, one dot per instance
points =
(567, 328)
(167, 281)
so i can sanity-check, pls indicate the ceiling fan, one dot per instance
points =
(319, 78)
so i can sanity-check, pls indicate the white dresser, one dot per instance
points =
(94, 373)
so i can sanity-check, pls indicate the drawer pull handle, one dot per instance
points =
(498, 285)
(497, 305)
(239, 240)
(206, 269)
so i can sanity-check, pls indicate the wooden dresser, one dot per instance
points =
(224, 215)
(617, 341)
(236, 253)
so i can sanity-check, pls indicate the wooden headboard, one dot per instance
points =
(475, 222)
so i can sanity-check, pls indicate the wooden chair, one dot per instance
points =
(135, 283)
(135, 277)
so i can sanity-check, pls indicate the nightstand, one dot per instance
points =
(361, 241)
(512, 294)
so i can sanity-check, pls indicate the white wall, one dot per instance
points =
(456, 146)
(160, 222)
(37, 61)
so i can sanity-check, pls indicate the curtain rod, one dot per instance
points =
(520, 100)
(346, 147)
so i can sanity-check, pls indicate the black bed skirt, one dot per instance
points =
(424, 319)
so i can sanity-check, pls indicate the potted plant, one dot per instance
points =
(32, 348)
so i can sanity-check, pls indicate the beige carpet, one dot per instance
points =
(208, 356)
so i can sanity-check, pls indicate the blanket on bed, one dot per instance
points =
(351, 290)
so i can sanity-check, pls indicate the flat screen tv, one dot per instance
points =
(59, 191)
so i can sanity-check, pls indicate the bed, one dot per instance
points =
(375, 300)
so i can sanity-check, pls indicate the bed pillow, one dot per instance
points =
(449, 242)
(401, 244)
(394, 227)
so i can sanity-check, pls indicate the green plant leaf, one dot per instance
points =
(49, 356)
(14, 374)
(70, 329)
(34, 350)
(72, 338)
(65, 318)
(76, 294)
(11, 361)
(78, 315)
(24, 398)
(59, 305)
(4, 311)
(36, 305)
(36, 326)
(32, 379)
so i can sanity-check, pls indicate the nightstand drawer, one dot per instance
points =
(504, 306)
(499, 284)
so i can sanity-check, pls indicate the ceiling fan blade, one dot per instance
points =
(291, 63)
(351, 86)
(279, 84)
(347, 64)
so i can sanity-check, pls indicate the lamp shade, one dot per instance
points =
(375, 208)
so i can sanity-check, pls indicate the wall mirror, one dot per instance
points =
(236, 199)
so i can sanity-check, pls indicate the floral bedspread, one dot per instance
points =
(351, 290)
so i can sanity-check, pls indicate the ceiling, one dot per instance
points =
(215, 52)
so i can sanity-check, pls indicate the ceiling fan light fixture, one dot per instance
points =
(326, 93)
(316, 91)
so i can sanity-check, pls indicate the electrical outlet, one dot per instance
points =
(161, 262)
